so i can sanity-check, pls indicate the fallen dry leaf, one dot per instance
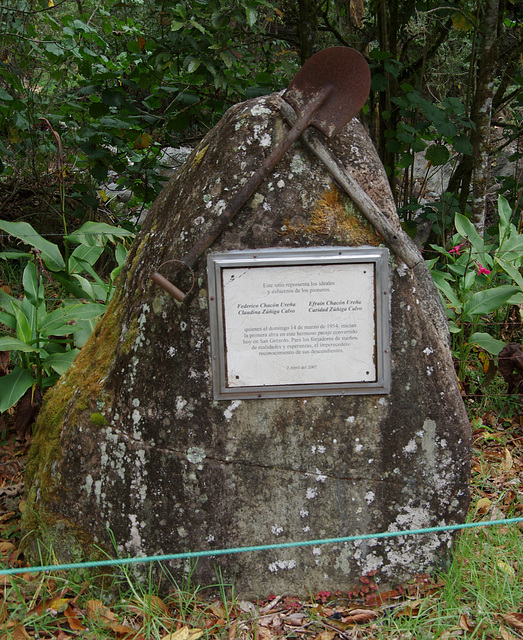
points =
(483, 505)
(270, 605)
(265, 633)
(452, 633)
(466, 623)
(98, 612)
(6, 547)
(515, 620)
(508, 462)
(72, 620)
(381, 597)
(273, 620)
(295, 619)
(232, 630)
(20, 633)
(184, 634)
(158, 604)
(506, 635)
(506, 569)
(358, 616)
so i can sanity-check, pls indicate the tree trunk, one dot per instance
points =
(307, 27)
(482, 113)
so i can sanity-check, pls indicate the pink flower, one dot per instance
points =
(482, 269)
(457, 249)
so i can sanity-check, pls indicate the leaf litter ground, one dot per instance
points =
(480, 596)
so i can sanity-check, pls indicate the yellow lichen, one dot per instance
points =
(336, 216)
(198, 157)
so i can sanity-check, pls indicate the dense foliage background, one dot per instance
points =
(93, 93)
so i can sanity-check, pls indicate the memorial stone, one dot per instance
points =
(304, 392)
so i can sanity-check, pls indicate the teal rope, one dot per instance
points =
(263, 547)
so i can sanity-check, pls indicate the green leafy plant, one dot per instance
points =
(44, 330)
(479, 277)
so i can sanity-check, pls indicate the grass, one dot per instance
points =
(480, 596)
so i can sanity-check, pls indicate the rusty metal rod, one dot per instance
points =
(400, 243)
(168, 286)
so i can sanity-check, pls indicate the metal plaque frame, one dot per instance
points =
(351, 262)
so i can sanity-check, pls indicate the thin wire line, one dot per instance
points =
(265, 547)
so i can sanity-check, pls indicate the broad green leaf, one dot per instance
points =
(87, 287)
(512, 244)
(88, 269)
(115, 273)
(469, 279)
(8, 319)
(33, 285)
(10, 255)
(437, 154)
(446, 289)
(467, 230)
(70, 284)
(511, 270)
(120, 254)
(96, 233)
(23, 326)
(56, 321)
(380, 55)
(453, 328)
(13, 386)
(193, 65)
(227, 58)
(84, 253)
(24, 231)
(487, 342)
(85, 311)
(489, 300)
(7, 343)
(7, 302)
(198, 26)
(505, 215)
(83, 330)
(33, 314)
(113, 98)
(462, 145)
(446, 128)
(60, 362)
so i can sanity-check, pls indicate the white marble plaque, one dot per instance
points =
(299, 324)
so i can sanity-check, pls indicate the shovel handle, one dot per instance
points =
(400, 243)
(256, 179)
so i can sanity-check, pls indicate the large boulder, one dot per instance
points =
(131, 446)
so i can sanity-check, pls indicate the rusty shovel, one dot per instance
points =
(327, 92)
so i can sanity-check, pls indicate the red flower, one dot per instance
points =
(457, 249)
(482, 269)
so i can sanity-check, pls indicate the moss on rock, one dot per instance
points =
(74, 395)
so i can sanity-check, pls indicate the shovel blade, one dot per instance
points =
(347, 72)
